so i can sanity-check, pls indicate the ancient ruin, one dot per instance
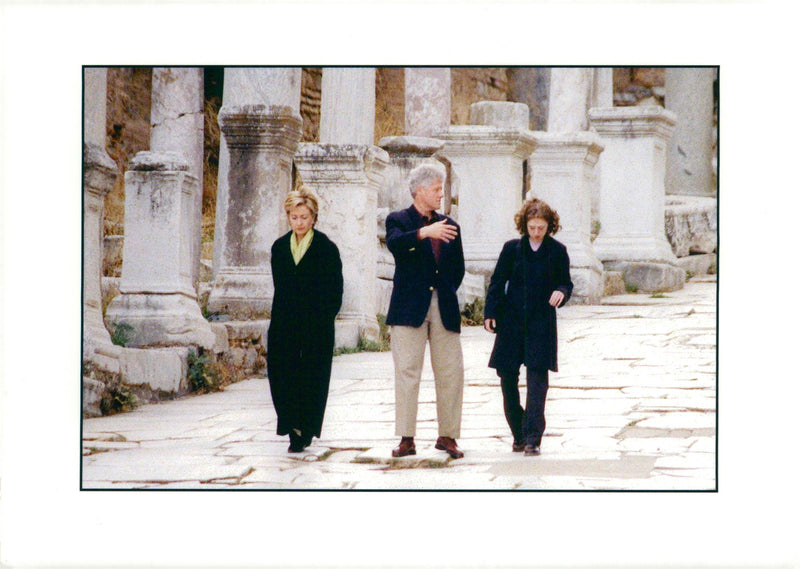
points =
(632, 172)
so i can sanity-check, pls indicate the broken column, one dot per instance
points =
(562, 174)
(631, 215)
(99, 174)
(346, 171)
(261, 127)
(157, 300)
(176, 118)
(347, 178)
(690, 95)
(487, 181)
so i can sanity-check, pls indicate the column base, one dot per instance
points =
(649, 276)
(588, 285)
(242, 295)
(350, 330)
(160, 320)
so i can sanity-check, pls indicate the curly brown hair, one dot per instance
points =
(537, 208)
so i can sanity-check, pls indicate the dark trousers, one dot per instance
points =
(526, 425)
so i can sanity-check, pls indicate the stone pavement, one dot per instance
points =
(633, 407)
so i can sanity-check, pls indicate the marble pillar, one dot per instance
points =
(157, 298)
(347, 114)
(99, 174)
(261, 141)
(176, 119)
(427, 100)
(632, 200)
(570, 98)
(531, 86)
(279, 86)
(562, 174)
(487, 181)
(690, 95)
(347, 178)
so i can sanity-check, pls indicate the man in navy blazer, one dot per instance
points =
(429, 268)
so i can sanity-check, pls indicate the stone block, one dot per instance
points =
(383, 294)
(650, 277)
(699, 264)
(220, 337)
(613, 283)
(160, 369)
(690, 223)
(92, 394)
(499, 113)
(112, 255)
(471, 289)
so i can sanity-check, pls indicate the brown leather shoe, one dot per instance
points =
(405, 448)
(449, 445)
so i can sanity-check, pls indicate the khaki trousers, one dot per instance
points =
(408, 352)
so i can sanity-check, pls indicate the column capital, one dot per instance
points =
(261, 126)
(99, 170)
(486, 140)
(626, 122)
(567, 147)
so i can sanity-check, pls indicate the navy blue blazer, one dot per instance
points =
(416, 274)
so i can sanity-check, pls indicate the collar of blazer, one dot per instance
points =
(417, 217)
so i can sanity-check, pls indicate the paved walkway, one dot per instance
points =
(633, 407)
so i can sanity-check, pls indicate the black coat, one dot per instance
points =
(519, 338)
(416, 273)
(301, 331)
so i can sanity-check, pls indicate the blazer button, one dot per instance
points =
(431, 288)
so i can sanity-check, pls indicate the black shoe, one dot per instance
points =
(297, 443)
(532, 450)
(517, 446)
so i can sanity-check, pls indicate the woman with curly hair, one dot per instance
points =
(530, 281)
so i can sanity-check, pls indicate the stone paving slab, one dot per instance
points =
(632, 407)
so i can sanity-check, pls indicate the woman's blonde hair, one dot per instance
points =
(302, 195)
(537, 208)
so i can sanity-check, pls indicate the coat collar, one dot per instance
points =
(416, 217)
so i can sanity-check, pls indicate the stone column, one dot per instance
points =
(157, 298)
(603, 87)
(570, 98)
(486, 168)
(99, 174)
(531, 86)
(427, 100)
(562, 174)
(347, 114)
(632, 238)
(690, 95)
(261, 142)
(347, 177)
(244, 86)
(176, 118)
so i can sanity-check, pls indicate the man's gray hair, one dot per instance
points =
(426, 175)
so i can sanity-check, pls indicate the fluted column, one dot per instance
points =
(347, 114)
(427, 100)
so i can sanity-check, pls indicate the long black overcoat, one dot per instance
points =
(301, 332)
(508, 298)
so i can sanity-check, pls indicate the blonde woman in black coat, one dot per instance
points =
(307, 273)
(530, 281)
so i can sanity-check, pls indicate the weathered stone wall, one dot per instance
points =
(638, 85)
